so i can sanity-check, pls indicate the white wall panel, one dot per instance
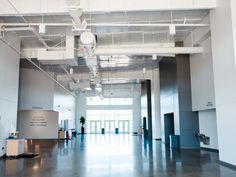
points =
(202, 79)
(208, 127)
(224, 78)
(233, 14)
(9, 79)
(64, 104)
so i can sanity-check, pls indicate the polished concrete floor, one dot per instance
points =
(113, 156)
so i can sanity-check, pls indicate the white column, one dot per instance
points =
(223, 50)
(156, 112)
(233, 14)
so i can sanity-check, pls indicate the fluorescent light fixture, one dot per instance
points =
(42, 29)
(154, 56)
(71, 71)
(144, 70)
(99, 89)
(114, 61)
(172, 30)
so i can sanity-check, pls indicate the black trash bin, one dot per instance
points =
(103, 130)
(174, 141)
(117, 130)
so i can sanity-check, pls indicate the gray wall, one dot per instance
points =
(175, 90)
(37, 91)
(37, 124)
(189, 123)
(169, 92)
(9, 79)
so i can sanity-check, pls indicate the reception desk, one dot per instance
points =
(37, 124)
(15, 147)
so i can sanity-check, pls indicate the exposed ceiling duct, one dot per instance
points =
(67, 56)
(76, 12)
(92, 64)
(88, 44)
(124, 40)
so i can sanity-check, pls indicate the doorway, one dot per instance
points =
(95, 126)
(109, 126)
(123, 126)
(169, 127)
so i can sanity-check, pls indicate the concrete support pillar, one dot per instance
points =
(156, 110)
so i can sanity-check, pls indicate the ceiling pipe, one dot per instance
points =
(44, 72)
(69, 75)
(147, 51)
(145, 25)
(32, 29)
(29, 28)
(110, 24)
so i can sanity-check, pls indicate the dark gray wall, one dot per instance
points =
(189, 123)
(146, 105)
(175, 90)
(35, 90)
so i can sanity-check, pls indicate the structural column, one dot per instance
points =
(223, 28)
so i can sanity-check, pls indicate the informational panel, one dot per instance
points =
(37, 124)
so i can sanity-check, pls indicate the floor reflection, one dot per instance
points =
(113, 155)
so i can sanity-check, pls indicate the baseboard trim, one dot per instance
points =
(228, 165)
(209, 149)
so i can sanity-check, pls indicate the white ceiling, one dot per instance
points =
(115, 35)
(106, 36)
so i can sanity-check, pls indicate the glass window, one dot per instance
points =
(109, 101)
(116, 116)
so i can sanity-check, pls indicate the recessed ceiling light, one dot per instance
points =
(71, 71)
(88, 89)
(114, 61)
(172, 30)
(42, 29)
(144, 70)
(154, 56)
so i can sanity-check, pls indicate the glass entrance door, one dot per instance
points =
(109, 126)
(124, 126)
(95, 126)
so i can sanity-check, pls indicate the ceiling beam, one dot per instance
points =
(45, 7)
(107, 75)
(6, 42)
(106, 25)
